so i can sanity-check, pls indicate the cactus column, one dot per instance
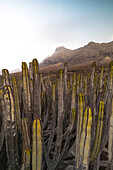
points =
(36, 146)
(10, 129)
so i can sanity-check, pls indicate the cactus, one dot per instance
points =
(26, 144)
(60, 113)
(53, 124)
(78, 84)
(92, 84)
(79, 128)
(98, 135)
(36, 145)
(86, 90)
(36, 90)
(65, 79)
(5, 77)
(26, 93)
(73, 102)
(2, 136)
(87, 141)
(56, 121)
(10, 128)
(74, 79)
(16, 103)
(110, 138)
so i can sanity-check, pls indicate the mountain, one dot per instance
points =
(15, 71)
(101, 53)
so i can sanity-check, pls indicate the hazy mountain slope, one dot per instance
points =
(101, 53)
(60, 55)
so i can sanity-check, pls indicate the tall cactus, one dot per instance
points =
(110, 136)
(98, 136)
(5, 77)
(60, 113)
(10, 128)
(92, 84)
(73, 102)
(16, 103)
(36, 146)
(85, 139)
(79, 127)
(26, 144)
(26, 93)
(65, 79)
(36, 90)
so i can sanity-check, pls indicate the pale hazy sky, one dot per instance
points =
(34, 28)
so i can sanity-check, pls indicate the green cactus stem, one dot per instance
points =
(36, 90)
(26, 143)
(98, 135)
(16, 103)
(26, 93)
(5, 77)
(36, 146)
(10, 128)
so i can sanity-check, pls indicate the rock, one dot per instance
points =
(91, 52)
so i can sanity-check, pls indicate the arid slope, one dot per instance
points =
(102, 54)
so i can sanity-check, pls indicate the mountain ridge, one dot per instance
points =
(91, 52)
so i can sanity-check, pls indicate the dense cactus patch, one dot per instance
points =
(61, 123)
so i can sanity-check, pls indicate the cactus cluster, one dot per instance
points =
(58, 122)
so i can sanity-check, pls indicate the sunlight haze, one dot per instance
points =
(33, 29)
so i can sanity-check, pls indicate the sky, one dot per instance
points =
(34, 28)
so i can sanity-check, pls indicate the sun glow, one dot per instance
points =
(20, 38)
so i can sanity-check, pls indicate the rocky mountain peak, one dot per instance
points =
(89, 53)
(61, 48)
(91, 43)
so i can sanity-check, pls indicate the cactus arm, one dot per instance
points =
(34, 146)
(92, 84)
(82, 140)
(60, 114)
(65, 79)
(37, 146)
(108, 108)
(26, 93)
(98, 135)
(16, 103)
(79, 128)
(86, 90)
(10, 128)
(36, 90)
(72, 114)
(26, 143)
(74, 79)
(53, 124)
(110, 137)
(5, 77)
(78, 84)
(87, 142)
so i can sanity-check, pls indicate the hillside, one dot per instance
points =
(101, 53)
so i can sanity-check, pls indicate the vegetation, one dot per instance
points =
(53, 123)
